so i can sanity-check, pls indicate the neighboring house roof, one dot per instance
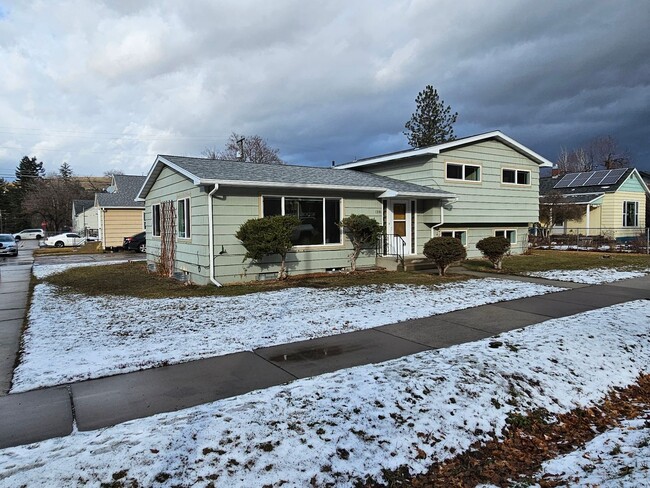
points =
(126, 189)
(241, 174)
(438, 148)
(93, 183)
(81, 205)
(580, 183)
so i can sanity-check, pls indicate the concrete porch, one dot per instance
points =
(415, 262)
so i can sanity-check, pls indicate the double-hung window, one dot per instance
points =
(319, 218)
(155, 217)
(630, 214)
(463, 172)
(184, 222)
(515, 176)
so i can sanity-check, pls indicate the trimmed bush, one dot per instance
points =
(444, 251)
(494, 249)
(362, 231)
(269, 236)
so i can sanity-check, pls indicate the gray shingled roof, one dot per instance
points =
(237, 172)
(81, 205)
(127, 188)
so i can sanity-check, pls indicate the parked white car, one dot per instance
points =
(29, 234)
(8, 246)
(67, 239)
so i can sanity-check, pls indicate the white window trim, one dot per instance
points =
(153, 220)
(453, 231)
(636, 213)
(187, 216)
(303, 246)
(517, 171)
(505, 232)
(463, 180)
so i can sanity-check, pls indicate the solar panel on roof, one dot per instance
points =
(613, 176)
(565, 182)
(595, 178)
(581, 179)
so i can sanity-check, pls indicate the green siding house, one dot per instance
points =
(495, 180)
(469, 188)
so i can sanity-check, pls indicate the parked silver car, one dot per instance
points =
(29, 234)
(8, 246)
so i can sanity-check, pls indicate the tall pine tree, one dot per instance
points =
(28, 172)
(432, 123)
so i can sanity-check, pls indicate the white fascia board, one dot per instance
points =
(123, 208)
(427, 151)
(274, 184)
(434, 150)
(416, 195)
(635, 172)
(155, 170)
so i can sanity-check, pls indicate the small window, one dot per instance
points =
(464, 172)
(509, 234)
(155, 217)
(630, 214)
(184, 218)
(461, 235)
(515, 176)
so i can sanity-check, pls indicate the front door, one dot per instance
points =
(399, 227)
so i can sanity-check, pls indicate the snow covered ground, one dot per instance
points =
(352, 423)
(75, 337)
(41, 271)
(619, 457)
(594, 276)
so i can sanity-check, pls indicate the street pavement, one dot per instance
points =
(50, 412)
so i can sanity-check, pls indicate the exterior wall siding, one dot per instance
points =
(482, 206)
(119, 223)
(231, 208)
(88, 218)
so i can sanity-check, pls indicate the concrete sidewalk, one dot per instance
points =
(40, 414)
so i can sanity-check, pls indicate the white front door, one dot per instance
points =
(399, 227)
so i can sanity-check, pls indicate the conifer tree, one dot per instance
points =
(432, 122)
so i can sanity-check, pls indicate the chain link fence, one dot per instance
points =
(611, 239)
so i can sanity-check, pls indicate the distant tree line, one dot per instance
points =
(35, 198)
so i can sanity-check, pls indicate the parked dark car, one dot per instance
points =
(137, 242)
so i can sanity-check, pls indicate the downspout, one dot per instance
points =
(442, 216)
(588, 209)
(211, 236)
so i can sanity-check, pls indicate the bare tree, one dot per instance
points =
(602, 152)
(51, 200)
(555, 209)
(111, 172)
(252, 149)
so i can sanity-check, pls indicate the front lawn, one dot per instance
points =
(540, 260)
(132, 279)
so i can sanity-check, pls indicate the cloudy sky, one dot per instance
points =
(108, 85)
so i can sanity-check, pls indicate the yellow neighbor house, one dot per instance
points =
(614, 201)
(119, 215)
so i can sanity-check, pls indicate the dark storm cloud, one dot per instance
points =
(118, 82)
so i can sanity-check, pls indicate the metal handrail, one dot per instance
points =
(391, 245)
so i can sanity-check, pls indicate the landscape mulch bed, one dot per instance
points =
(528, 441)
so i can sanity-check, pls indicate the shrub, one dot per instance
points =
(494, 249)
(362, 231)
(269, 236)
(444, 251)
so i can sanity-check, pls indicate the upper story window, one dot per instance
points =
(184, 220)
(463, 172)
(155, 218)
(319, 218)
(515, 176)
(630, 214)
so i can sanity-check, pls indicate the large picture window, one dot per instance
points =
(319, 218)
(184, 222)
(155, 217)
(630, 214)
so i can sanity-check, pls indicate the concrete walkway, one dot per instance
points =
(50, 412)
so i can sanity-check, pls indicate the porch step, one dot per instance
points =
(390, 263)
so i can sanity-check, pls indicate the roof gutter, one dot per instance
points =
(211, 236)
